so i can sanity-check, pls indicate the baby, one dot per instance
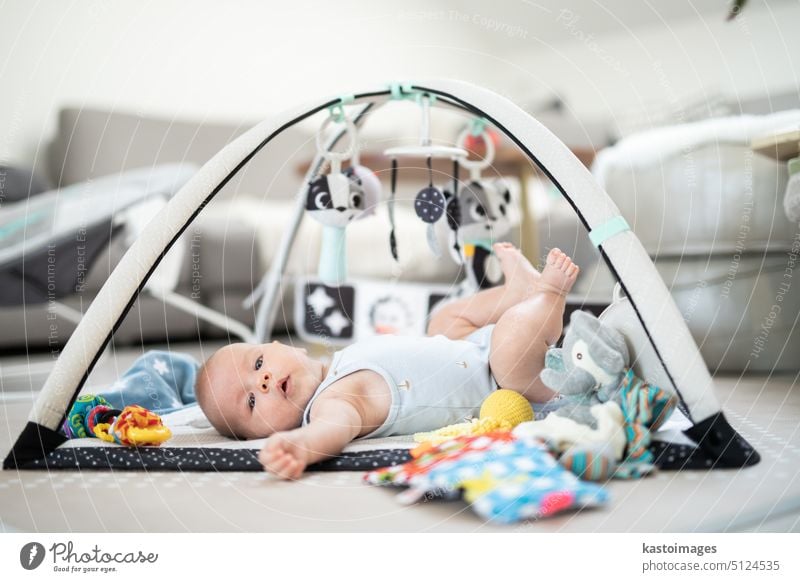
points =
(391, 384)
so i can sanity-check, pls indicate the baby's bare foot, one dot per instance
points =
(559, 274)
(520, 276)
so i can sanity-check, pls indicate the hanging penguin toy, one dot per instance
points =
(336, 199)
(478, 217)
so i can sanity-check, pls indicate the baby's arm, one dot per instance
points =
(336, 422)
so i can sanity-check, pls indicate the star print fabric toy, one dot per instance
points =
(160, 381)
(157, 383)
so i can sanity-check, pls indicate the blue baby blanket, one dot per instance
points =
(160, 381)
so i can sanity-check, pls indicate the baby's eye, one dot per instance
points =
(251, 400)
(259, 362)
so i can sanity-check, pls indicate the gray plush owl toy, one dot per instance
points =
(589, 367)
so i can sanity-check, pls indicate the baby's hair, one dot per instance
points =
(204, 393)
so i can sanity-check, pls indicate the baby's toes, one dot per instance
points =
(572, 271)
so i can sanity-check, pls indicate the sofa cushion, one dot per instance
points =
(19, 183)
(94, 142)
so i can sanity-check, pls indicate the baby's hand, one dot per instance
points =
(285, 454)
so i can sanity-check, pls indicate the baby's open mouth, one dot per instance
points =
(284, 385)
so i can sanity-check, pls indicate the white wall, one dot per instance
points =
(223, 60)
(659, 68)
(243, 59)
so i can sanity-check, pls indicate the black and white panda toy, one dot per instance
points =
(336, 199)
(478, 217)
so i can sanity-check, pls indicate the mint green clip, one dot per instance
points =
(337, 109)
(401, 91)
(478, 126)
(605, 231)
(419, 95)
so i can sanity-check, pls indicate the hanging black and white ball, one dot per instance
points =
(429, 205)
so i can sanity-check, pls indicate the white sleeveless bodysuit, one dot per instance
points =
(434, 381)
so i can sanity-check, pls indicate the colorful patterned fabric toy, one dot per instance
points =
(645, 408)
(133, 426)
(501, 411)
(619, 446)
(506, 479)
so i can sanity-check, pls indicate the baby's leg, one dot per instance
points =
(524, 332)
(460, 318)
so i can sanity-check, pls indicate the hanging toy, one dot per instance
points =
(133, 426)
(430, 203)
(429, 206)
(482, 214)
(368, 181)
(453, 213)
(336, 199)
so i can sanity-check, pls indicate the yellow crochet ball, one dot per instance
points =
(507, 405)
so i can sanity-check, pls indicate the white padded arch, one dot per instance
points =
(624, 253)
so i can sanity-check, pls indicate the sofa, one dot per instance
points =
(229, 246)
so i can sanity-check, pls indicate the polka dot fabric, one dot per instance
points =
(429, 205)
(200, 459)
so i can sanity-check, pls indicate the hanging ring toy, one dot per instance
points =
(334, 200)
(336, 158)
(367, 179)
(475, 167)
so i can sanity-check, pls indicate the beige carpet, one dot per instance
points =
(766, 410)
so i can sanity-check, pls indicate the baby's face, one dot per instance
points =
(252, 391)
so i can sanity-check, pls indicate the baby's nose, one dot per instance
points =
(265, 383)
